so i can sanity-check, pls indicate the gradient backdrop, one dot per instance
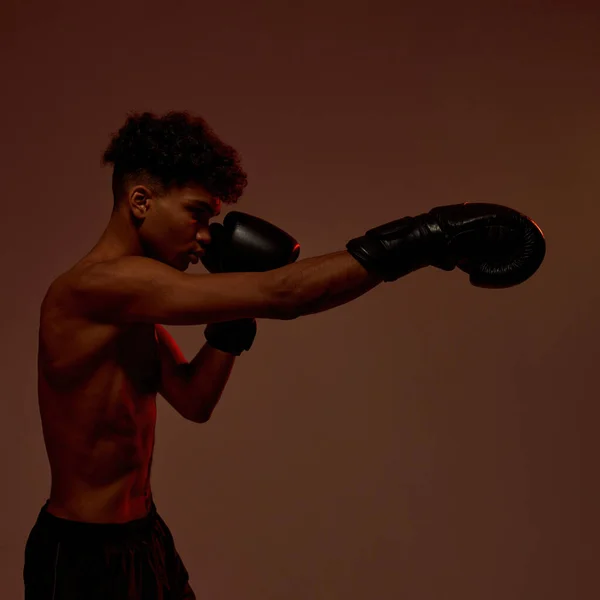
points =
(428, 441)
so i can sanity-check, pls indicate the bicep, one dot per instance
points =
(172, 364)
(138, 289)
(167, 347)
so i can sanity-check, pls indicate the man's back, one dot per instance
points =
(97, 387)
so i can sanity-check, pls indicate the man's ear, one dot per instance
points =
(140, 201)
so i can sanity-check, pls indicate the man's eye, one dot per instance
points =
(201, 215)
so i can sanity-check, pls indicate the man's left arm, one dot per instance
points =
(193, 388)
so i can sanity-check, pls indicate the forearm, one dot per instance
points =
(206, 377)
(317, 284)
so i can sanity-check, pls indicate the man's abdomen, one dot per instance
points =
(100, 463)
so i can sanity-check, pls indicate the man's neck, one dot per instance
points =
(118, 239)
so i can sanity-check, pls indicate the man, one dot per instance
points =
(104, 353)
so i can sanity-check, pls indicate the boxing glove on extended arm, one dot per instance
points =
(496, 246)
(244, 243)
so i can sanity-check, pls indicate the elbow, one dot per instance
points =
(199, 418)
(201, 414)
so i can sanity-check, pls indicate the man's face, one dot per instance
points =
(175, 226)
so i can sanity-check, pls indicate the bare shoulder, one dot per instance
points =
(59, 298)
(68, 291)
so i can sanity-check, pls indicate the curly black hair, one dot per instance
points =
(173, 150)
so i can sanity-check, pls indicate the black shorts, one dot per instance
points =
(70, 560)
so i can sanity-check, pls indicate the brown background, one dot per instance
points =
(428, 441)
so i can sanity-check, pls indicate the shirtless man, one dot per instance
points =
(104, 354)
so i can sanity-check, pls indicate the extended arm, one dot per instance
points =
(497, 246)
(138, 289)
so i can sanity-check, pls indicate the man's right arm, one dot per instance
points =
(138, 289)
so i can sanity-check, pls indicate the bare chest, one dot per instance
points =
(101, 389)
(75, 354)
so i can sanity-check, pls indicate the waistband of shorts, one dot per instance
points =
(69, 528)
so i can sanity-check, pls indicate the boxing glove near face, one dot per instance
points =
(245, 243)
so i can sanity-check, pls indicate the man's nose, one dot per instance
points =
(203, 236)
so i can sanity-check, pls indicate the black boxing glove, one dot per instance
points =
(244, 243)
(498, 247)
(232, 337)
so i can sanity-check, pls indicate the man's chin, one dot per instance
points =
(184, 264)
(176, 262)
(181, 263)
